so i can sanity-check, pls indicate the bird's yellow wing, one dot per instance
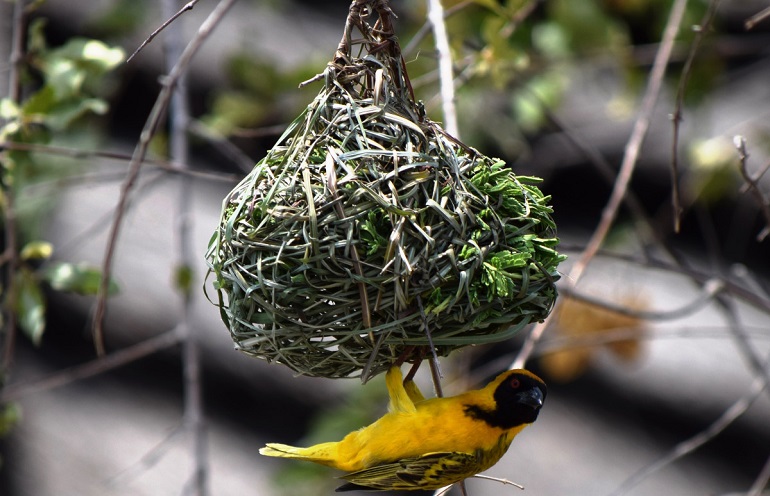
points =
(430, 471)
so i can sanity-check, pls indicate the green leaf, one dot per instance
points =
(233, 110)
(40, 102)
(30, 305)
(93, 55)
(492, 5)
(183, 278)
(77, 278)
(496, 275)
(61, 116)
(370, 234)
(8, 109)
(10, 415)
(36, 43)
(36, 250)
(65, 77)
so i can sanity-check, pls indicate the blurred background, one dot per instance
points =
(656, 357)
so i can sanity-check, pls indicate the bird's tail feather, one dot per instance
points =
(324, 453)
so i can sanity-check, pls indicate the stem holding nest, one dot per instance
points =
(380, 41)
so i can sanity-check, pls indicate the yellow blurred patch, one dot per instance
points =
(586, 329)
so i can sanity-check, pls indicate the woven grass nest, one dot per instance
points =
(367, 232)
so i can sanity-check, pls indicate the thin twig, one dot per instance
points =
(172, 167)
(435, 373)
(676, 117)
(504, 482)
(741, 338)
(762, 480)
(753, 298)
(226, 147)
(446, 78)
(148, 460)
(150, 128)
(92, 368)
(630, 157)
(688, 446)
(179, 119)
(534, 336)
(17, 52)
(554, 344)
(709, 289)
(188, 6)
(523, 12)
(638, 134)
(645, 227)
(757, 18)
(10, 254)
(753, 186)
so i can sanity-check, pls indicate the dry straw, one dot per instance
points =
(367, 232)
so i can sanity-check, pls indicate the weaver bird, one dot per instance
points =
(429, 443)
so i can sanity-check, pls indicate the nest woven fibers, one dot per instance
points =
(367, 232)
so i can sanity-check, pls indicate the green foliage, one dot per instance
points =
(370, 232)
(69, 81)
(10, 415)
(122, 17)
(257, 90)
(184, 276)
(79, 279)
(30, 304)
(496, 276)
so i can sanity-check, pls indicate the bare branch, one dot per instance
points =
(701, 277)
(504, 482)
(172, 167)
(179, 119)
(90, 369)
(676, 117)
(446, 79)
(17, 52)
(761, 481)
(10, 255)
(686, 447)
(561, 343)
(641, 125)
(710, 289)
(228, 149)
(757, 18)
(150, 128)
(148, 460)
(753, 185)
(188, 6)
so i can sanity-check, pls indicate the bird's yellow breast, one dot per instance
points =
(437, 425)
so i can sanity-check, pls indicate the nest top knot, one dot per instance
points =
(367, 233)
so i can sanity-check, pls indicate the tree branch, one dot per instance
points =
(150, 128)
(686, 447)
(179, 120)
(187, 6)
(676, 117)
(10, 255)
(446, 78)
(638, 134)
(90, 369)
(753, 185)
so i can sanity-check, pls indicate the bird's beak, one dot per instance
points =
(532, 398)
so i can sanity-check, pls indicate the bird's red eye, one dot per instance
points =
(515, 383)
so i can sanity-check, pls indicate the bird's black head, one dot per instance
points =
(519, 397)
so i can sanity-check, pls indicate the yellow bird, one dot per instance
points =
(429, 444)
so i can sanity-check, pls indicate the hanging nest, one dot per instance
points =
(368, 233)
